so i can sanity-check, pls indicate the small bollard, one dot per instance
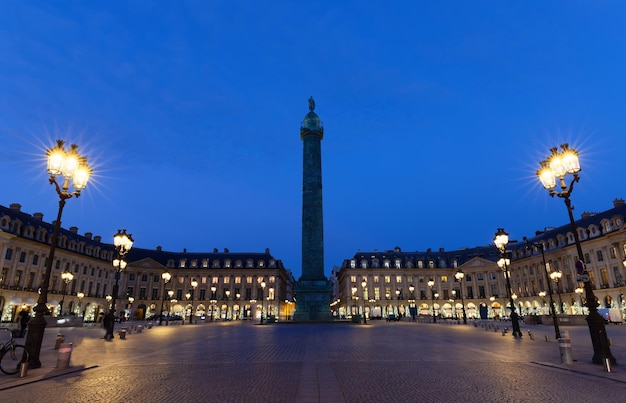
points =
(610, 342)
(607, 364)
(123, 333)
(65, 353)
(547, 338)
(23, 369)
(60, 339)
(150, 325)
(565, 348)
(531, 335)
(503, 332)
(139, 328)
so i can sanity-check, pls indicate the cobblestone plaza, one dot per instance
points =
(241, 361)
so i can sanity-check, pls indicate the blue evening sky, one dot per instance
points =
(436, 116)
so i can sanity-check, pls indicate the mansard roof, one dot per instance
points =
(27, 226)
(440, 258)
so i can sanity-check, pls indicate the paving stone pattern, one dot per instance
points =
(378, 362)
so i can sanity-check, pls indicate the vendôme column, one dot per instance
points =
(313, 291)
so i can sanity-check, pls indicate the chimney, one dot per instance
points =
(441, 250)
(618, 203)
(159, 248)
(38, 216)
(74, 230)
(88, 235)
(97, 238)
(214, 250)
(184, 250)
(15, 207)
(267, 251)
(585, 215)
(225, 250)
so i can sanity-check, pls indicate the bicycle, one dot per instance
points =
(12, 355)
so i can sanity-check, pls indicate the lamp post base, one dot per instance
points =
(599, 339)
(34, 339)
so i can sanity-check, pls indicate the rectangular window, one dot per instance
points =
(387, 279)
(444, 279)
(481, 291)
(18, 278)
(398, 279)
(272, 279)
(377, 293)
(226, 280)
(494, 290)
(248, 294)
(587, 258)
(143, 294)
(179, 294)
(238, 280)
(155, 293)
(215, 280)
(470, 292)
(35, 259)
(202, 294)
(249, 280)
(130, 291)
(22, 257)
(613, 252)
(353, 279)
(9, 254)
(599, 255)
(480, 276)
(131, 276)
(492, 275)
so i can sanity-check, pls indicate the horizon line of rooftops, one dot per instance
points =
(15, 221)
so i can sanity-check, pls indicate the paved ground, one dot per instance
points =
(382, 362)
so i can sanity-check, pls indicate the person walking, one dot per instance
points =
(109, 323)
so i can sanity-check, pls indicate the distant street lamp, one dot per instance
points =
(67, 277)
(262, 299)
(72, 166)
(354, 307)
(555, 321)
(80, 295)
(412, 307)
(431, 283)
(213, 300)
(166, 276)
(501, 240)
(459, 275)
(398, 298)
(131, 299)
(194, 284)
(557, 166)
(227, 292)
(364, 287)
(556, 277)
(122, 243)
(580, 291)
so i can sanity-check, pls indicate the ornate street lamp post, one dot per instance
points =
(194, 284)
(557, 166)
(71, 166)
(354, 307)
(412, 307)
(398, 304)
(364, 287)
(555, 321)
(580, 291)
(227, 292)
(556, 277)
(170, 300)
(459, 275)
(67, 277)
(80, 295)
(166, 276)
(431, 284)
(122, 242)
(213, 300)
(131, 299)
(262, 299)
(501, 240)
